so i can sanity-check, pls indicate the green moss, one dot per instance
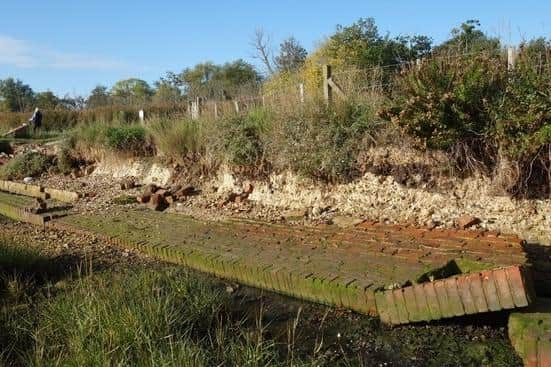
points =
(454, 267)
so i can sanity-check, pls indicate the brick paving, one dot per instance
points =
(371, 268)
(325, 264)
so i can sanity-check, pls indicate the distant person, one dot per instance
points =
(36, 120)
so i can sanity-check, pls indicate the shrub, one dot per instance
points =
(65, 161)
(238, 139)
(321, 142)
(446, 103)
(25, 165)
(90, 141)
(126, 138)
(523, 121)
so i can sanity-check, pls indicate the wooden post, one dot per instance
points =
(418, 64)
(301, 92)
(511, 58)
(236, 104)
(196, 108)
(327, 90)
(263, 101)
(215, 110)
(141, 116)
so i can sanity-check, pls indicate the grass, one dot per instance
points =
(178, 139)
(29, 164)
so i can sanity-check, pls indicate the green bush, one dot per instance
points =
(29, 164)
(240, 139)
(126, 138)
(91, 140)
(321, 142)
(447, 100)
(523, 119)
(65, 161)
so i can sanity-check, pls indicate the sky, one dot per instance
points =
(69, 47)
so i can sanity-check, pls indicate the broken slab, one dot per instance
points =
(38, 191)
(530, 335)
(326, 264)
(488, 290)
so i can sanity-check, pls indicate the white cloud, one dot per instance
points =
(23, 54)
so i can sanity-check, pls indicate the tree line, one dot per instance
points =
(359, 45)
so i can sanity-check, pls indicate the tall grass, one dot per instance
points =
(178, 139)
(130, 318)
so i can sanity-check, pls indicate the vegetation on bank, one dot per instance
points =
(461, 99)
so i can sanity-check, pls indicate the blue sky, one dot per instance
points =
(71, 46)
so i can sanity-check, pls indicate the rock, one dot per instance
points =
(229, 198)
(28, 180)
(143, 199)
(248, 188)
(185, 192)
(342, 221)
(88, 170)
(128, 184)
(150, 189)
(467, 221)
(431, 224)
(316, 211)
(157, 202)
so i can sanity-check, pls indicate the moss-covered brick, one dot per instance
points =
(455, 302)
(477, 291)
(467, 298)
(490, 290)
(521, 290)
(432, 301)
(530, 335)
(400, 303)
(503, 290)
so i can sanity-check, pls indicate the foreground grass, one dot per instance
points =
(134, 318)
(59, 313)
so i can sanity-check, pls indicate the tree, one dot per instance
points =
(131, 91)
(469, 38)
(166, 91)
(361, 45)
(15, 96)
(291, 55)
(73, 103)
(99, 97)
(47, 100)
(218, 81)
(261, 43)
(199, 80)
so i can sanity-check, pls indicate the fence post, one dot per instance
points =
(215, 110)
(418, 64)
(141, 116)
(236, 104)
(327, 90)
(301, 92)
(196, 108)
(511, 58)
